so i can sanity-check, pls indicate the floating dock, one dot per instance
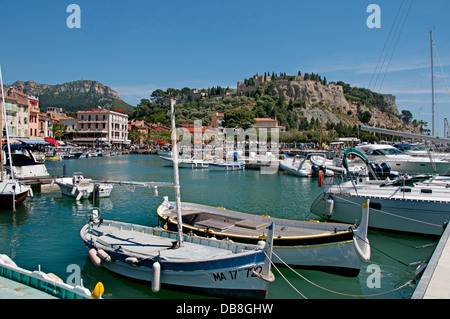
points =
(434, 283)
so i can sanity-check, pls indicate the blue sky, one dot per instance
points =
(138, 46)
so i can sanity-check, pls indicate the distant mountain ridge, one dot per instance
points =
(74, 96)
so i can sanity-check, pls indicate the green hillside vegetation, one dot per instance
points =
(72, 101)
(239, 111)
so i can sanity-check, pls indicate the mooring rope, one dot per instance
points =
(398, 216)
(329, 290)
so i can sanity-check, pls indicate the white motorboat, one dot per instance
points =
(303, 166)
(186, 163)
(183, 262)
(418, 150)
(402, 162)
(80, 187)
(13, 193)
(24, 163)
(331, 247)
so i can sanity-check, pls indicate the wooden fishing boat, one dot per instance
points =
(197, 265)
(332, 247)
(176, 261)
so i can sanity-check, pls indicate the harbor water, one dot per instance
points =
(44, 231)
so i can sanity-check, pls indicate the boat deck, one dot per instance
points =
(10, 289)
(146, 244)
(243, 227)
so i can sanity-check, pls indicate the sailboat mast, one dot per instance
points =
(432, 84)
(175, 172)
(1, 131)
(6, 127)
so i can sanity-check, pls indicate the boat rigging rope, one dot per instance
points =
(329, 290)
(387, 213)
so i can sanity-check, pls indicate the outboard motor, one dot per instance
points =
(372, 170)
(324, 169)
(386, 169)
(379, 170)
(315, 170)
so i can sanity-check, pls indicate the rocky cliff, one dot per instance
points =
(33, 88)
(74, 96)
(335, 102)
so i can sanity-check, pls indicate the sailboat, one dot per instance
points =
(172, 260)
(12, 192)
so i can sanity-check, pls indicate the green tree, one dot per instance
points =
(406, 116)
(238, 118)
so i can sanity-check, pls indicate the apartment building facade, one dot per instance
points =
(99, 127)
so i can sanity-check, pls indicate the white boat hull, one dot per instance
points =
(398, 211)
(167, 161)
(30, 171)
(84, 190)
(331, 248)
(286, 165)
(226, 166)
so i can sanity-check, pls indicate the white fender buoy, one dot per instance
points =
(156, 283)
(329, 204)
(94, 257)
(103, 255)
(6, 260)
(53, 277)
(360, 241)
(131, 260)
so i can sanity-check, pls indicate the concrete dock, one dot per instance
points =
(434, 283)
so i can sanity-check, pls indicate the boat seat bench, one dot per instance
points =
(214, 224)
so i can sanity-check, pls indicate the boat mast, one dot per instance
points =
(432, 84)
(175, 172)
(1, 132)
(6, 128)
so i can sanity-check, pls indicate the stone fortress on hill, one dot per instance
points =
(313, 91)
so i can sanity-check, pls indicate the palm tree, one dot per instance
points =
(421, 124)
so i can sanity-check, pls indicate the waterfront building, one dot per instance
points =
(268, 123)
(146, 131)
(101, 127)
(58, 116)
(217, 120)
(33, 123)
(45, 126)
(17, 113)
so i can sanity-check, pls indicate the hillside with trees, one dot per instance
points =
(322, 110)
